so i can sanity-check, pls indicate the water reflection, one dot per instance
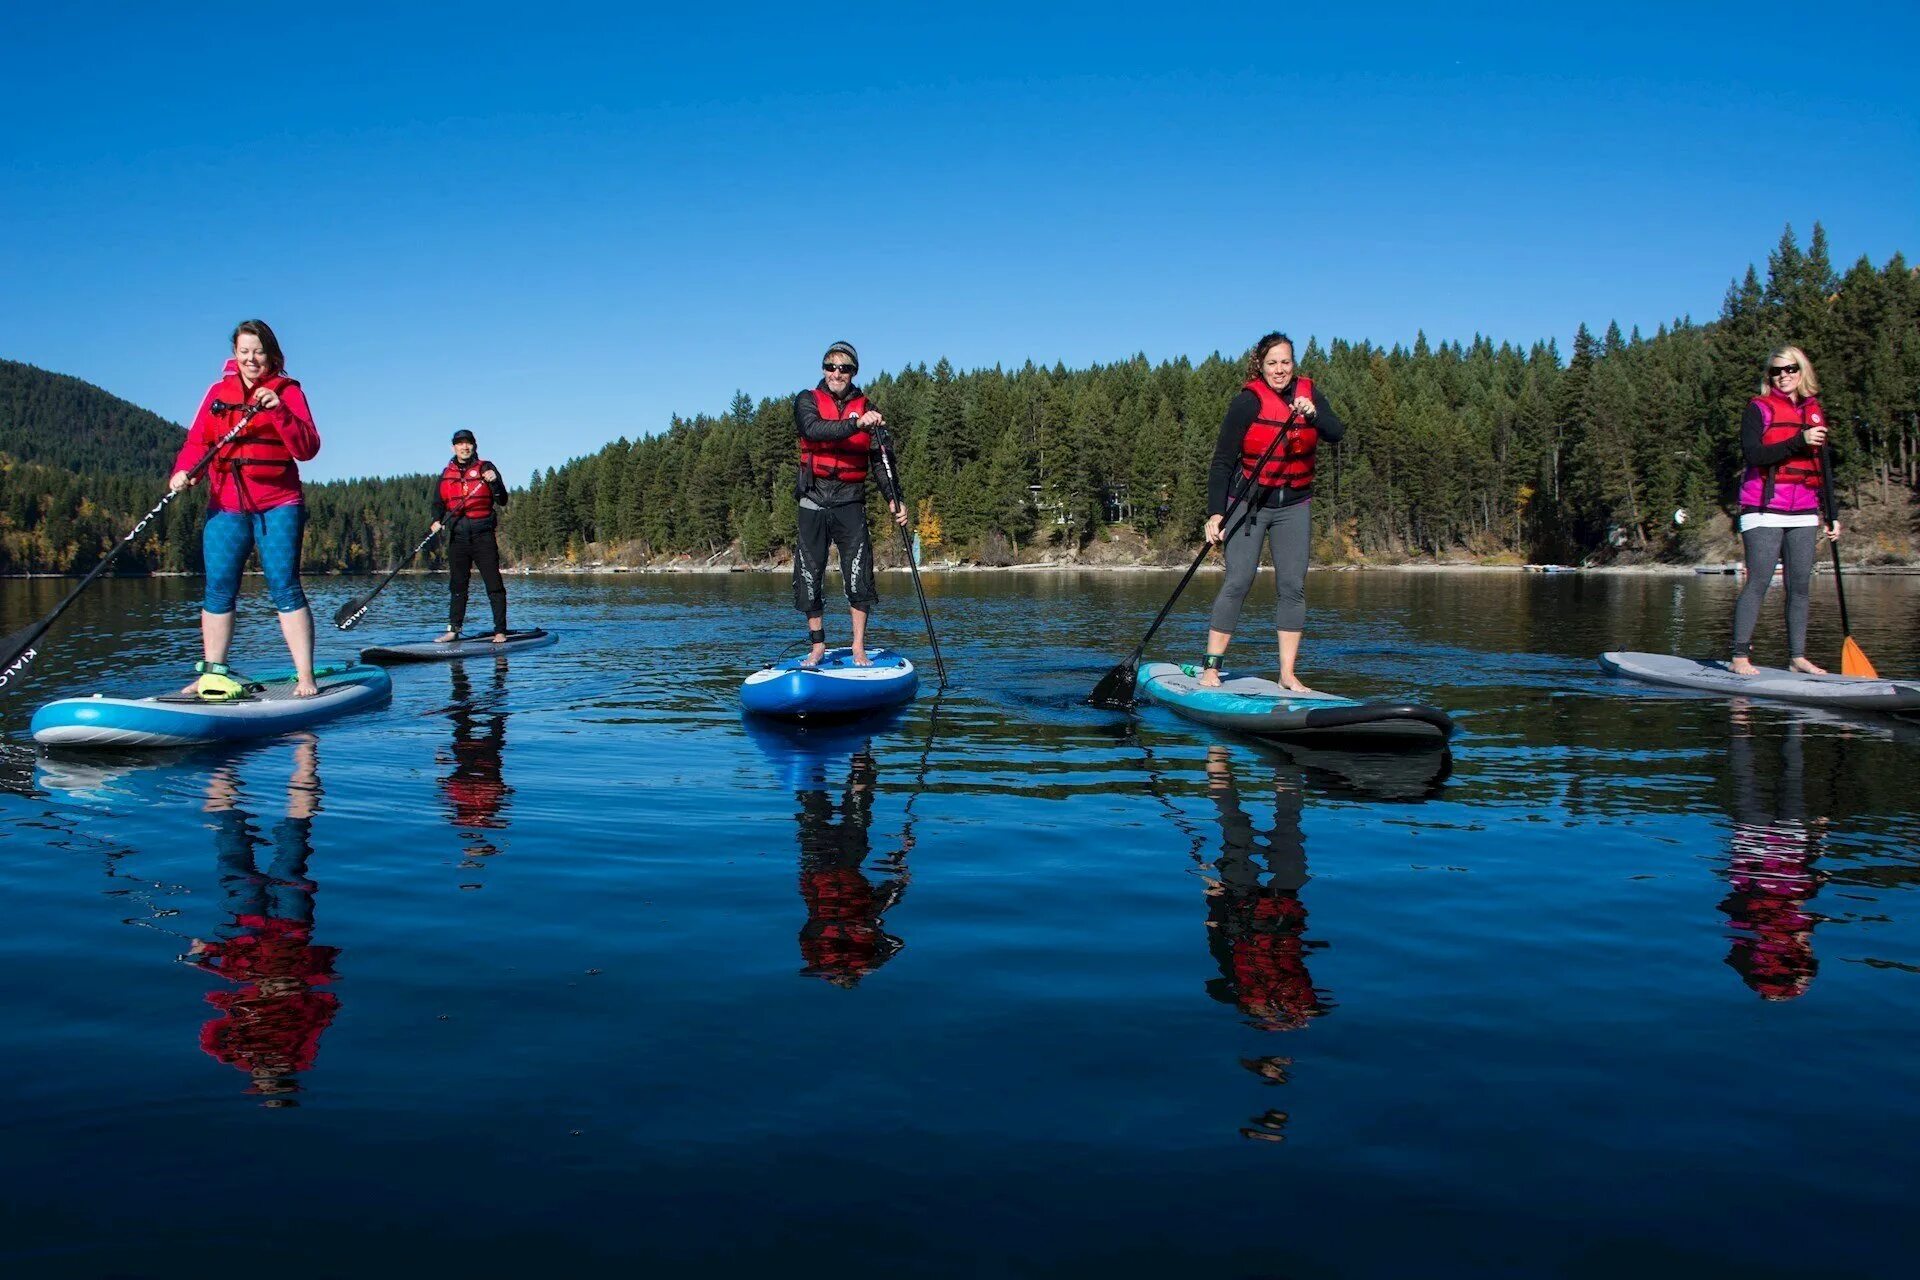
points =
(833, 774)
(1770, 863)
(475, 788)
(277, 1002)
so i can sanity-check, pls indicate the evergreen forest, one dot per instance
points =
(1452, 448)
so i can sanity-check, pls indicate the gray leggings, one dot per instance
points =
(1287, 529)
(1766, 548)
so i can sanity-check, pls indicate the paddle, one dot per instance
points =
(1853, 660)
(890, 486)
(18, 649)
(348, 616)
(1115, 689)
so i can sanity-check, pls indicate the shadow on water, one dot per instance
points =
(474, 788)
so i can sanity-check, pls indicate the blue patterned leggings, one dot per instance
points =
(230, 535)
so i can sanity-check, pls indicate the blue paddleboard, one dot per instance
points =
(834, 688)
(177, 720)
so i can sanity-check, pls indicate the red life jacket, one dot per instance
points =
(259, 448)
(847, 459)
(1785, 421)
(1291, 465)
(464, 490)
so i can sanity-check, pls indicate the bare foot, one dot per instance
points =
(1742, 667)
(1806, 667)
(447, 637)
(499, 637)
(860, 658)
(814, 656)
(1293, 684)
(1210, 678)
(305, 689)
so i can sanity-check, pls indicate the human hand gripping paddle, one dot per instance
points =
(348, 616)
(1853, 659)
(1115, 689)
(890, 487)
(18, 649)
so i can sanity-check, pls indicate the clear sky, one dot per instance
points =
(560, 223)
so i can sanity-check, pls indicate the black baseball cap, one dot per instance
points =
(464, 434)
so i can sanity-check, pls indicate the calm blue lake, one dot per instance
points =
(554, 963)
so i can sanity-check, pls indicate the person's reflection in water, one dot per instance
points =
(1770, 868)
(1256, 928)
(845, 937)
(476, 791)
(272, 1015)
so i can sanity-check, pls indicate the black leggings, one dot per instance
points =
(1766, 548)
(467, 550)
(845, 527)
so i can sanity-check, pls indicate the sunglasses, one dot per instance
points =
(839, 367)
(1775, 370)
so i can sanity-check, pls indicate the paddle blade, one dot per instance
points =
(1115, 690)
(351, 612)
(18, 650)
(1853, 662)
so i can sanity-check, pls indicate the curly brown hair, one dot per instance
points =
(1260, 350)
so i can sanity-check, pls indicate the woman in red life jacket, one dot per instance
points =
(253, 499)
(1782, 436)
(834, 423)
(467, 500)
(1260, 491)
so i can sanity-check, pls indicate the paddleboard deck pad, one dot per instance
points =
(474, 646)
(1836, 691)
(1262, 709)
(834, 688)
(174, 719)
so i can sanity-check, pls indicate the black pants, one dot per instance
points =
(846, 526)
(468, 548)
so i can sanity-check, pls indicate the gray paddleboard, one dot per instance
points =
(1845, 692)
(479, 645)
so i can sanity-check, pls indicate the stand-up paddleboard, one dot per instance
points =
(1261, 708)
(179, 720)
(1850, 693)
(834, 688)
(474, 646)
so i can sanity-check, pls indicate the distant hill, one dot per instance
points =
(53, 420)
(79, 465)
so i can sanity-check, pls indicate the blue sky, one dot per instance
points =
(560, 224)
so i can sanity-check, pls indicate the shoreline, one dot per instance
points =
(1704, 569)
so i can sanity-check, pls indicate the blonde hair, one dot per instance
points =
(1809, 385)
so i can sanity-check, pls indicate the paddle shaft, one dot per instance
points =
(351, 613)
(19, 650)
(1236, 497)
(890, 476)
(1833, 545)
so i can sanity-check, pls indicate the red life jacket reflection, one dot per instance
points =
(464, 489)
(845, 460)
(1291, 466)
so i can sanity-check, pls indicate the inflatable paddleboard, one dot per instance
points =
(1850, 693)
(179, 720)
(834, 688)
(474, 646)
(1261, 708)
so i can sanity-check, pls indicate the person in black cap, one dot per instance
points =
(468, 495)
(835, 425)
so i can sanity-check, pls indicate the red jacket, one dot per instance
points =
(266, 452)
(464, 490)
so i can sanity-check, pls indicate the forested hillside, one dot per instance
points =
(78, 467)
(1451, 447)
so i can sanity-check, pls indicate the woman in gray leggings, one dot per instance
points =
(1260, 493)
(1783, 435)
